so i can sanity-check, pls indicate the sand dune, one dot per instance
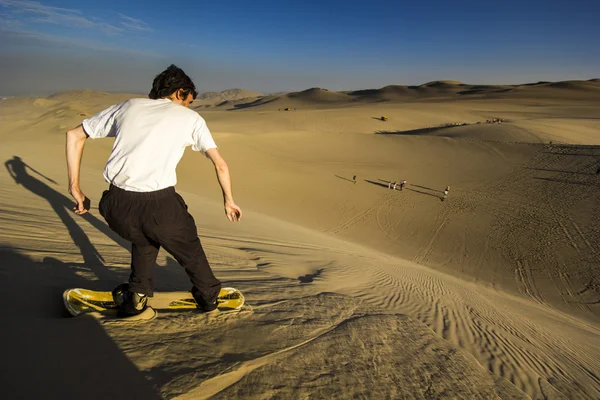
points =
(355, 290)
(319, 95)
(307, 98)
(234, 99)
(442, 83)
(229, 94)
(391, 92)
(577, 90)
(228, 97)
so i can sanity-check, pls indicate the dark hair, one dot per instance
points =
(171, 80)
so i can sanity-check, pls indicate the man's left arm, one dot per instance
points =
(76, 138)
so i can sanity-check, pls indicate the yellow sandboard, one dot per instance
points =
(83, 301)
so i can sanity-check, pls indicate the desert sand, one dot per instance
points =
(354, 290)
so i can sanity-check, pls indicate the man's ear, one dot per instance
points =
(179, 94)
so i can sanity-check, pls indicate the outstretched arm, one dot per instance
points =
(232, 211)
(74, 150)
(8, 166)
(40, 174)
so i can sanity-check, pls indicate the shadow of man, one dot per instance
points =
(66, 358)
(62, 205)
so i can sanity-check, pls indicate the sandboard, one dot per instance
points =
(79, 301)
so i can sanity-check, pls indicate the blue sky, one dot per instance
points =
(271, 46)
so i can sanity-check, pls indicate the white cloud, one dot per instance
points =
(8, 21)
(133, 24)
(33, 11)
(25, 38)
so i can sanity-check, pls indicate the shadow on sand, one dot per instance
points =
(428, 188)
(561, 171)
(570, 154)
(574, 150)
(425, 193)
(258, 102)
(415, 131)
(383, 185)
(49, 356)
(566, 181)
(309, 278)
(63, 207)
(346, 179)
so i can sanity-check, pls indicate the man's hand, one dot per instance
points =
(83, 203)
(233, 212)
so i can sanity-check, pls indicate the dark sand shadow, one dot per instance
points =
(425, 193)
(561, 171)
(417, 131)
(309, 278)
(483, 91)
(565, 181)
(383, 185)
(63, 206)
(558, 153)
(48, 356)
(573, 150)
(346, 179)
(427, 188)
(254, 103)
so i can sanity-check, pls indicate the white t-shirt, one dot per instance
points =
(150, 138)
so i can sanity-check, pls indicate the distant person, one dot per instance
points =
(446, 193)
(402, 184)
(141, 204)
(354, 179)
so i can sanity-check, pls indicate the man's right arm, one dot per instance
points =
(232, 211)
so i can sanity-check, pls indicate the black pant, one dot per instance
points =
(150, 220)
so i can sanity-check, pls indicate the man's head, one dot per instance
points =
(175, 85)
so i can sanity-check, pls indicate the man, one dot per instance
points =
(141, 204)
(446, 193)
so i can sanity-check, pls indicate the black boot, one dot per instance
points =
(128, 302)
(202, 304)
